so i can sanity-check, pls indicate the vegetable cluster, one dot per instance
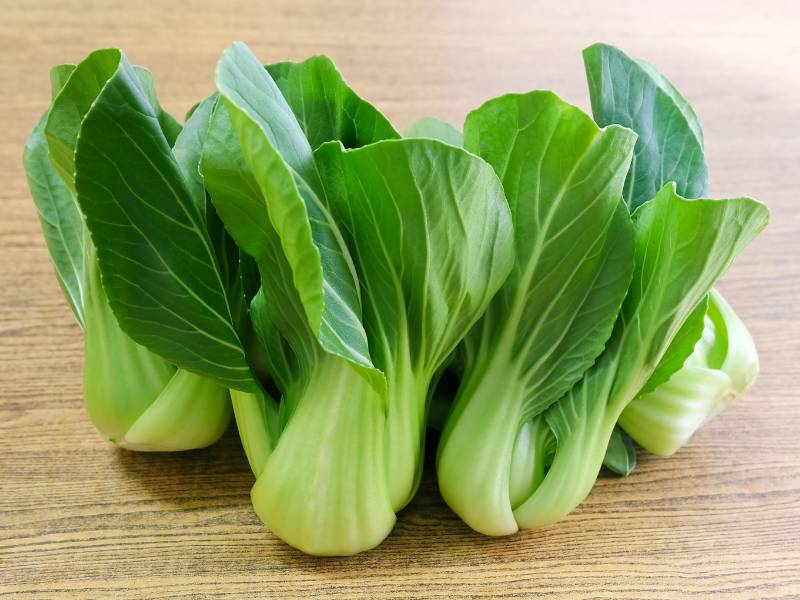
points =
(286, 256)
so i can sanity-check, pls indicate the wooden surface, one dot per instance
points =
(721, 519)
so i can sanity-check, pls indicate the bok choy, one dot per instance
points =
(286, 257)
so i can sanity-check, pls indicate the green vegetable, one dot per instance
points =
(316, 224)
(563, 178)
(682, 247)
(135, 398)
(633, 93)
(341, 452)
(722, 365)
(538, 287)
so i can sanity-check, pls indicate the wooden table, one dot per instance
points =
(721, 519)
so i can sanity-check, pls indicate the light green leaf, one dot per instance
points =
(670, 144)
(326, 108)
(60, 219)
(723, 365)
(279, 156)
(435, 129)
(574, 242)
(532, 455)
(143, 219)
(58, 78)
(431, 237)
(682, 247)
(563, 178)
(672, 389)
(680, 349)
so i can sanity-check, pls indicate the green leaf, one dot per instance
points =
(429, 255)
(169, 126)
(533, 452)
(326, 108)
(278, 312)
(431, 237)
(157, 261)
(620, 455)
(64, 125)
(574, 241)
(435, 129)
(58, 78)
(670, 144)
(279, 156)
(188, 151)
(680, 349)
(678, 100)
(682, 247)
(60, 219)
(188, 148)
(563, 178)
(677, 399)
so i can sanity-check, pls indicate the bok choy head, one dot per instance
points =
(134, 397)
(677, 399)
(563, 178)
(374, 262)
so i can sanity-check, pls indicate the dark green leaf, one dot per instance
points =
(620, 455)
(670, 144)
(158, 264)
(327, 108)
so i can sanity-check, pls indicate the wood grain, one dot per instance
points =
(721, 519)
